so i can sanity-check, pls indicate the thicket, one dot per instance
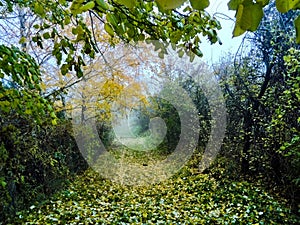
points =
(36, 161)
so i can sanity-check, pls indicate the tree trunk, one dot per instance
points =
(248, 124)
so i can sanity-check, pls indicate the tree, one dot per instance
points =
(255, 83)
(286, 123)
(23, 97)
(131, 22)
(275, 28)
(262, 111)
(180, 23)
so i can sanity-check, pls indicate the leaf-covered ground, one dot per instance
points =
(184, 199)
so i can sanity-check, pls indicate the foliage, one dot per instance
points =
(263, 107)
(291, 98)
(35, 161)
(20, 85)
(163, 109)
(200, 101)
(24, 168)
(106, 84)
(129, 20)
(194, 199)
(249, 14)
(136, 21)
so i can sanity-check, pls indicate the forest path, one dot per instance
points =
(184, 199)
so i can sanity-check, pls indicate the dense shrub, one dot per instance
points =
(35, 161)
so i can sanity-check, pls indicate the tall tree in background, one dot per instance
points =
(271, 43)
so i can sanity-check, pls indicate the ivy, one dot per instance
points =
(194, 199)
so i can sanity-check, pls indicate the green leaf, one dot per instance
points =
(197, 52)
(64, 69)
(28, 112)
(131, 33)
(39, 9)
(52, 114)
(87, 6)
(111, 19)
(102, 4)
(263, 3)
(161, 55)
(170, 4)
(46, 35)
(142, 37)
(237, 29)
(79, 72)
(252, 16)
(284, 6)
(128, 3)
(22, 40)
(74, 30)
(54, 122)
(35, 78)
(248, 17)
(199, 4)
(3, 183)
(109, 29)
(67, 20)
(180, 53)
(234, 4)
(192, 57)
(297, 27)
(76, 4)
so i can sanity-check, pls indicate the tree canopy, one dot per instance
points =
(183, 24)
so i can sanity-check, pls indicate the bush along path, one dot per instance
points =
(184, 199)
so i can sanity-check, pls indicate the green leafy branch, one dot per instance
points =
(22, 93)
(249, 13)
